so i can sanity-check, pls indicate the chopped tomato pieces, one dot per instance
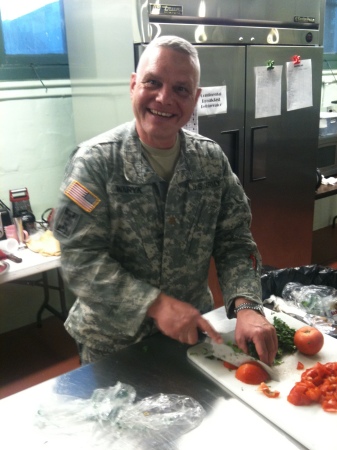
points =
(330, 405)
(297, 395)
(300, 366)
(267, 391)
(318, 385)
(314, 394)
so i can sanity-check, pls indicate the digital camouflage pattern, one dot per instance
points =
(144, 236)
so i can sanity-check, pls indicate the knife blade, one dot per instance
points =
(237, 357)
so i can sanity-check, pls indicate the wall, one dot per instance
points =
(37, 136)
(101, 60)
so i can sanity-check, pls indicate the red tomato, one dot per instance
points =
(300, 366)
(267, 391)
(297, 395)
(332, 367)
(313, 393)
(315, 374)
(229, 366)
(308, 340)
(318, 385)
(330, 405)
(251, 373)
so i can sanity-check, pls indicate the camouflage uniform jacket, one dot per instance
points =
(126, 235)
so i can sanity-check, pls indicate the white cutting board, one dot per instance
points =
(309, 425)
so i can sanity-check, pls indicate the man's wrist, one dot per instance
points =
(154, 306)
(248, 305)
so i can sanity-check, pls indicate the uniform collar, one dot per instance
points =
(138, 171)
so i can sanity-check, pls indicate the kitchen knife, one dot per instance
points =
(6, 255)
(234, 355)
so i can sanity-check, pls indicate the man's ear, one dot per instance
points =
(197, 96)
(133, 82)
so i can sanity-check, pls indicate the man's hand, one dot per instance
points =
(251, 326)
(180, 320)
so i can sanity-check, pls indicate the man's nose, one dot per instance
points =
(164, 95)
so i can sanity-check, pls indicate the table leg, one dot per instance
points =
(45, 305)
(44, 284)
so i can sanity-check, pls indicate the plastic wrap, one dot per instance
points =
(316, 300)
(314, 303)
(324, 324)
(111, 419)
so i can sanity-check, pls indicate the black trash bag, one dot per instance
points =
(273, 281)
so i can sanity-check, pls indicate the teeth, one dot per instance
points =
(158, 113)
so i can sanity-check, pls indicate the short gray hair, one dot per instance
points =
(179, 45)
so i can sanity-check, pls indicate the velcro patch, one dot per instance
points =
(66, 224)
(84, 198)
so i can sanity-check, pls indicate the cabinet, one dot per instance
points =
(324, 247)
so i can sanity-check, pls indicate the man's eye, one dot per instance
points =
(181, 90)
(151, 83)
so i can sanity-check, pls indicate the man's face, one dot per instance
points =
(164, 93)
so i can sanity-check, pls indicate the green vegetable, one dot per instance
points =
(234, 347)
(285, 336)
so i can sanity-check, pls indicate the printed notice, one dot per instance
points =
(212, 100)
(268, 84)
(299, 85)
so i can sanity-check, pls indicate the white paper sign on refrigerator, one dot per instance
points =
(268, 90)
(299, 85)
(212, 100)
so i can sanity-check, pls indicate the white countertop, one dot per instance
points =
(32, 264)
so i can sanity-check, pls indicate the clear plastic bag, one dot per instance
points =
(316, 300)
(161, 412)
(324, 324)
(110, 419)
(66, 412)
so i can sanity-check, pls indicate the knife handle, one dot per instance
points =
(14, 258)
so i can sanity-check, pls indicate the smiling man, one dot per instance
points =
(143, 208)
(164, 93)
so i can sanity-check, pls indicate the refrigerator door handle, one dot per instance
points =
(258, 161)
(236, 134)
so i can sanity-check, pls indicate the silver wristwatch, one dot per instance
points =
(254, 306)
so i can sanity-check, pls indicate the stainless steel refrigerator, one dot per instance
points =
(274, 156)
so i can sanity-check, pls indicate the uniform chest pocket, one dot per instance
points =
(135, 219)
(193, 215)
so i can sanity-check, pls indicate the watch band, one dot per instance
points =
(254, 306)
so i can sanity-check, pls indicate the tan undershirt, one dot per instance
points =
(163, 162)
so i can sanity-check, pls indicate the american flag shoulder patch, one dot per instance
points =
(84, 198)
